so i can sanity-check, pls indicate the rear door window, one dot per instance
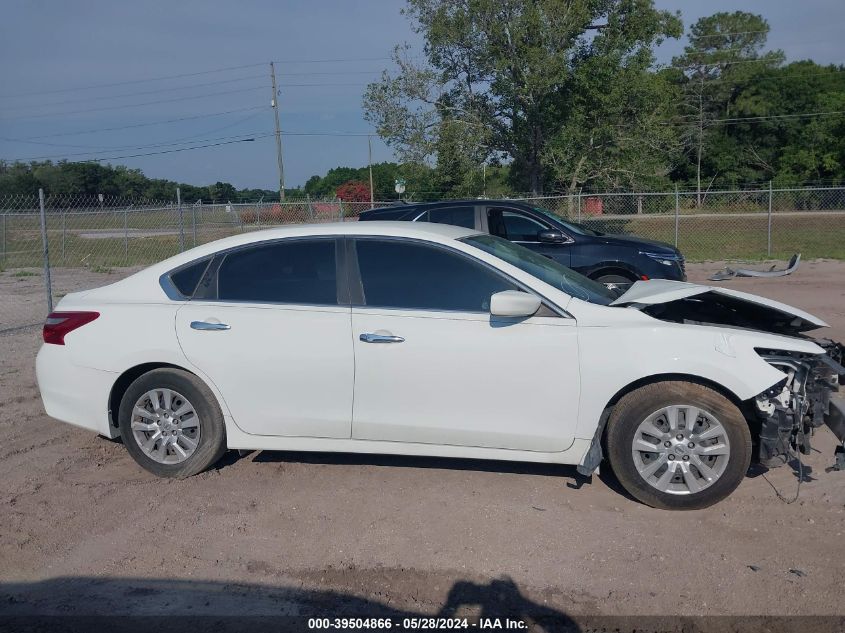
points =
(289, 271)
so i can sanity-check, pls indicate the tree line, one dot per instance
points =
(567, 96)
(115, 181)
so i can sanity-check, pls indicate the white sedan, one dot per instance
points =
(415, 339)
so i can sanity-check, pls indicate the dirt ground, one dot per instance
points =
(83, 530)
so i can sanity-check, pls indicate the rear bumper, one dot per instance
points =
(73, 394)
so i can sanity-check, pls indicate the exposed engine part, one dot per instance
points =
(791, 409)
(730, 273)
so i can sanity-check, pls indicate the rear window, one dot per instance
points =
(186, 279)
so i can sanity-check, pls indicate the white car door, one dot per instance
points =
(433, 366)
(269, 331)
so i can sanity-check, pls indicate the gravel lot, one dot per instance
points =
(83, 530)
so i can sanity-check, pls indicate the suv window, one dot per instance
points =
(291, 271)
(514, 226)
(457, 216)
(412, 275)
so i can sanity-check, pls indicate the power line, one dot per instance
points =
(137, 125)
(796, 75)
(122, 148)
(168, 151)
(698, 37)
(182, 141)
(193, 74)
(133, 81)
(768, 117)
(134, 105)
(149, 92)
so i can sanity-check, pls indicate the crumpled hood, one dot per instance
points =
(686, 302)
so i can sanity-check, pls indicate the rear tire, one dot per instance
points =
(678, 445)
(171, 423)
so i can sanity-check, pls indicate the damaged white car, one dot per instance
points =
(415, 339)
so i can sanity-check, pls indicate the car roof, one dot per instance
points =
(401, 206)
(420, 230)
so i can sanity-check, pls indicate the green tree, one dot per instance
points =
(724, 55)
(502, 79)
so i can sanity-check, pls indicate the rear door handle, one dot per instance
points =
(208, 326)
(380, 338)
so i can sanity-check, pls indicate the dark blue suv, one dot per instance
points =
(614, 260)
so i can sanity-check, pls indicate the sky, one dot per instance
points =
(84, 78)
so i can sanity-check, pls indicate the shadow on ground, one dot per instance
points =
(162, 604)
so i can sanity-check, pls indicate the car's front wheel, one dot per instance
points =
(678, 445)
(171, 423)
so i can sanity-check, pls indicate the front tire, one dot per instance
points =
(171, 423)
(678, 445)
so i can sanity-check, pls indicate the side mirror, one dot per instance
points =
(513, 303)
(551, 237)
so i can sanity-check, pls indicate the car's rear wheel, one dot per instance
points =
(171, 423)
(678, 445)
(615, 281)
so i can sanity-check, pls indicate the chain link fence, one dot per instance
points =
(94, 240)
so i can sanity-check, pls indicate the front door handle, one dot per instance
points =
(380, 338)
(209, 326)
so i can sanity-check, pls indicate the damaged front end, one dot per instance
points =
(804, 400)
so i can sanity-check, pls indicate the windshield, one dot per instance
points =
(548, 270)
(578, 229)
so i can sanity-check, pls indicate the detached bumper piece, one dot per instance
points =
(730, 273)
(804, 400)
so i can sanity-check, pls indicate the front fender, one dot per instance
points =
(612, 358)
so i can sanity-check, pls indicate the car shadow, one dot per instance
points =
(79, 603)
(563, 471)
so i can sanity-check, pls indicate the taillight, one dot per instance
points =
(60, 323)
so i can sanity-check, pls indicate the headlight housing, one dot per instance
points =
(663, 258)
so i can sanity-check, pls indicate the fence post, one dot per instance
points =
(48, 284)
(181, 220)
(4, 237)
(64, 232)
(339, 209)
(126, 235)
(769, 229)
(677, 214)
(194, 222)
(579, 205)
(310, 207)
(258, 213)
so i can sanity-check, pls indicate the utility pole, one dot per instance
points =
(274, 102)
(370, 163)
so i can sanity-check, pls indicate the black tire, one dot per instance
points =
(212, 431)
(636, 406)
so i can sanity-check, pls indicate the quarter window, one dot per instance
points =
(411, 275)
(186, 279)
(294, 271)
